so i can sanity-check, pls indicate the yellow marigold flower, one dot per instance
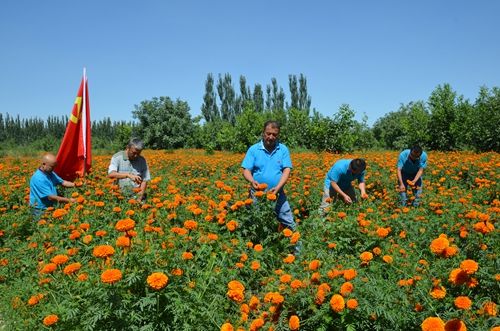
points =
(50, 320)
(337, 303)
(157, 280)
(433, 324)
(103, 251)
(111, 276)
(72, 268)
(462, 302)
(469, 266)
(294, 322)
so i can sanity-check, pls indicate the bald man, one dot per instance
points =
(43, 192)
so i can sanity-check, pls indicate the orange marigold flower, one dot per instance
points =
(289, 259)
(58, 213)
(226, 327)
(458, 277)
(111, 276)
(349, 274)
(103, 251)
(50, 320)
(346, 289)
(314, 264)
(450, 251)
(258, 248)
(271, 196)
(231, 225)
(262, 186)
(287, 232)
(125, 224)
(352, 304)
(383, 232)
(87, 239)
(387, 259)
(236, 291)
(35, 299)
(294, 322)
(187, 256)
(489, 308)
(48, 268)
(432, 324)
(296, 284)
(255, 265)
(286, 278)
(295, 237)
(438, 292)
(83, 277)
(438, 245)
(455, 325)
(257, 324)
(190, 224)
(177, 272)
(60, 259)
(341, 214)
(254, 303)
(123, 241)
(462, 302)
(337, 303)
(157, 280)
(366, 256)
(72, 268)
(101, 233)
(274, 297)
(469, 266)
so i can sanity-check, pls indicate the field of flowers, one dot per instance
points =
(199, 255)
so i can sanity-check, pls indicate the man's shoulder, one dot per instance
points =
(118, 155)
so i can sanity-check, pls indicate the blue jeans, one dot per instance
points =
(282, 209)
(417, 189)
(36, 214)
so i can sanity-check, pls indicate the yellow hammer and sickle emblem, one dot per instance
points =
(74, 118)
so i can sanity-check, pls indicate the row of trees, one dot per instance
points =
(47, 134)
(232, 120)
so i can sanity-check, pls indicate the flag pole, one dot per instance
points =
(84, 120)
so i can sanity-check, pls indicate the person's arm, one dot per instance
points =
(362, 188)
(122, 175)
(142, 189)
(418, 175)
(401, 186)
(337, 189)
(247, 174)
(66, 183)
(282, 182)
(60, 199)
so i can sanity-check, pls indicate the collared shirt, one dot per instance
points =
(41, 186)
(267, 167)
(120, 163)
(411, 167)
(342, 175)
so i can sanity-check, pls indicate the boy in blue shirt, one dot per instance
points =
(411, 165)
(338, 182)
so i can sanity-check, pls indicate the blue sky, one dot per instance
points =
(372, 55)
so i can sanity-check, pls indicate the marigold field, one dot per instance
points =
(199, 255)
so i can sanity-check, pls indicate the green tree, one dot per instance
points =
(258, 98)
(294, 91)
(389, 129)
(304, 97)
(443, 109)
(484, 123)
(227, 98)
(209, 107)
(163, 123)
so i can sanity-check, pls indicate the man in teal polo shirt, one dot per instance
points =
(338, 182)
(130, 170)
(411, 165)
(268, 161)
(43, 183)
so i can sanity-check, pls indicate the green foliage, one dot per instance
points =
(484, 124)
(443, 110)
(163, 123)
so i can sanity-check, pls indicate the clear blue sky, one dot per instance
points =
(372, 55)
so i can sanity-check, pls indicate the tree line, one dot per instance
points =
(232, 119)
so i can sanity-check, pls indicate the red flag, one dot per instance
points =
(74, 158)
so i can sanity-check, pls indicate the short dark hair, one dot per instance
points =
(273, 124)
(416, 149)
(358, 165)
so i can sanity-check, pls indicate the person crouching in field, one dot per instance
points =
(130, 170)
(411, 165)
(338, 182)
(43, 183)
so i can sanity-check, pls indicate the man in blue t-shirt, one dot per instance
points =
(338, 182)
(268, 161)
(411, 165)
(43, 192)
